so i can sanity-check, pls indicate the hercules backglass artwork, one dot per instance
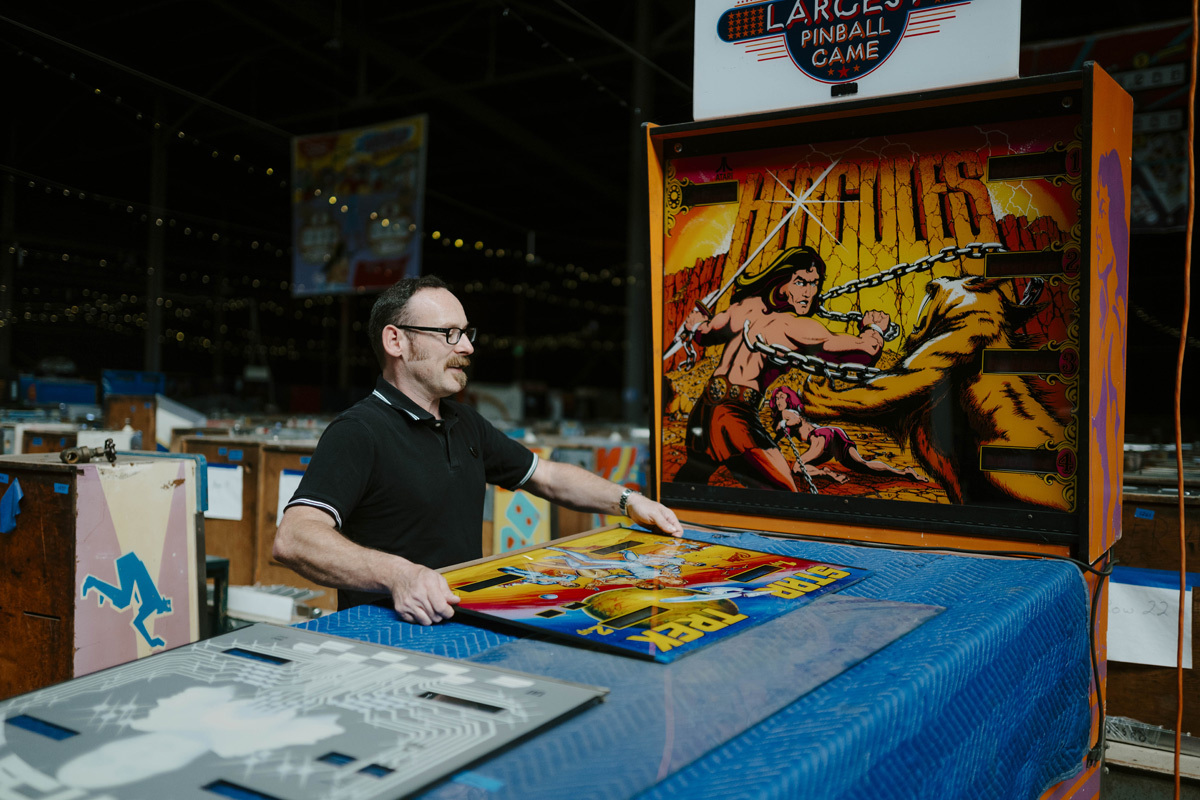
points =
(889, 317)
(641, 593)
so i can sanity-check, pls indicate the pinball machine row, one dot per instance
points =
(900, 319)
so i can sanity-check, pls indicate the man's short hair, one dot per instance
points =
(391, 308)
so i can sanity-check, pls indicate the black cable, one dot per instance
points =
(1097, 751)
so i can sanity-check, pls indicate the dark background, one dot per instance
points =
(534, 112)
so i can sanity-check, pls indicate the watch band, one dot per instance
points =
(623, 503)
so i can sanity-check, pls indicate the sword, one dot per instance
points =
(683, 336)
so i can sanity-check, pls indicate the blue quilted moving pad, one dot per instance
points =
(808, 704)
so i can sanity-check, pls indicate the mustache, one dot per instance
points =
(459, 361)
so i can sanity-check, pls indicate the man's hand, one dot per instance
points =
(644, 511)
(694, 320)
(876, 319)
(422, 596)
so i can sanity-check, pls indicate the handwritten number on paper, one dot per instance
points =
(1153, 608)
(1156, 608)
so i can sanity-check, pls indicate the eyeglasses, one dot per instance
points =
(452, 334)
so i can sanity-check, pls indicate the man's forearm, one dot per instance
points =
(576, 488)
(321, 554)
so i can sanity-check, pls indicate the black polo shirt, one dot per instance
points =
(396, 479)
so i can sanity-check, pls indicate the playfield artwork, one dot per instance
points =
(641, 593)
(893, 317)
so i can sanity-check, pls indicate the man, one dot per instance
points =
(396, 485)
(776, 303)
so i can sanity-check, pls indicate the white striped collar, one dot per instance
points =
(379, 394)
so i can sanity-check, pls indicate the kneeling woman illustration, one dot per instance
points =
(825, 442)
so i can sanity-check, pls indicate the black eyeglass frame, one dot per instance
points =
(470, 333)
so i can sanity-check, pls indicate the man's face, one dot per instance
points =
(437, 367)
(802, 290)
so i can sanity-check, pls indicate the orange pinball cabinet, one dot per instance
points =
(900, 322)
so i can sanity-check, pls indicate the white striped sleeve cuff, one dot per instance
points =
(333, 512)
(529, 474)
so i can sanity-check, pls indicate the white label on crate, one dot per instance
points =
(289, 482)
(1143, 624)
(224, 492)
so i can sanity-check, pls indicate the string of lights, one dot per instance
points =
(193, 225)
(150, 121)
(584, 75)
(202, 229)
(1162, 327)
(570, 279)
(124, 314)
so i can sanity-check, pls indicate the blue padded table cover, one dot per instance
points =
(988, 699)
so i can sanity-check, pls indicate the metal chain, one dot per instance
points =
(790, 359)
(689, 350)
(945, 256)
(856, 373)
(812, 487)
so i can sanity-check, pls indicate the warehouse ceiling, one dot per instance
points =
(533, 109)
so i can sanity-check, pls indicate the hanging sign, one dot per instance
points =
(753, 56)
(357, 207)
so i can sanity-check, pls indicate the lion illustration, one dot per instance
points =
(938, 401)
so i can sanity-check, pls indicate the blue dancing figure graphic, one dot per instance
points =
(133, 584)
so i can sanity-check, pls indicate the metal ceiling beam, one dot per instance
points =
(475, 110)
(375, 102)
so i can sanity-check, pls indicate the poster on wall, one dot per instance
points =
(884, 318)
(642, 594)
(357, 204)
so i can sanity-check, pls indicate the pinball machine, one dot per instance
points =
(900, 322)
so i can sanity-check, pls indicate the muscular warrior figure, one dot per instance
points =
(777, 303)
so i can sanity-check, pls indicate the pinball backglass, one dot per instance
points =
(906, 313)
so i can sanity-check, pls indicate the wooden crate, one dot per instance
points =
(234, 539)
(37, 440)
(278, 461)
(139, 410)
(92, 552)
(1150, 540)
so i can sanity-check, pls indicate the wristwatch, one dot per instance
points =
(623, 503)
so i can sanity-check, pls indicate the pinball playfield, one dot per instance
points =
(643, 594)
